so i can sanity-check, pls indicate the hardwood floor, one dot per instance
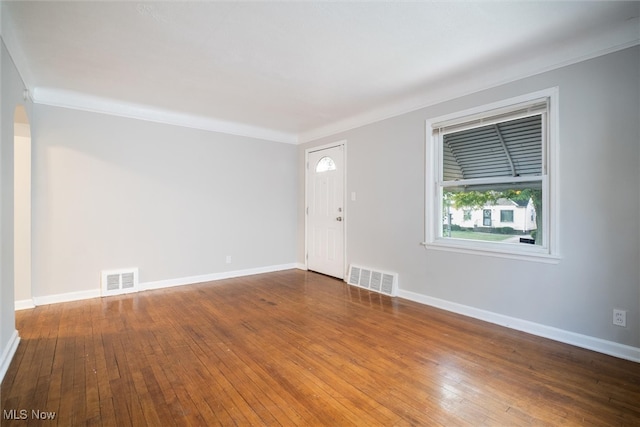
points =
(299, 348)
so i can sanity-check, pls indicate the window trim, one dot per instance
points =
(549, 179)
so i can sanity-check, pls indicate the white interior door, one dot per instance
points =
(325, 211)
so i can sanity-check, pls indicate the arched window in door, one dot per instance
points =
(325, 164)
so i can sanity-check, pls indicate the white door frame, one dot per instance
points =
(345, 216)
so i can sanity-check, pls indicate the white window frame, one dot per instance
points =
(548, 252)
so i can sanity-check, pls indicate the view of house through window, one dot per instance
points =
(497, 216)
(492, 177)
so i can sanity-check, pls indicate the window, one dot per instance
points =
(486, 217)
(506, 216)
(325, 164)
(489, 163)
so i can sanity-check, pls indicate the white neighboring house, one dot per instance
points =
(520, 216)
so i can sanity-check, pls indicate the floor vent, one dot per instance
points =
(116, 282)
(374, 280)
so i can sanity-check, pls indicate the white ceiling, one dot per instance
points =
(294, 71)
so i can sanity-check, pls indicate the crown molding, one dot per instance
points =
(479, 79)
(78, 101)
(457, 85)
(7, 35)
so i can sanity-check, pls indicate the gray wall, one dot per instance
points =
(112, 192)
(599, 202)
(11, 91)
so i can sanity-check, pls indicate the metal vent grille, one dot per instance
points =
(387, 283)
(354, 275)
(365, 278)
(128, 280)
(375, 280)
(115, 282)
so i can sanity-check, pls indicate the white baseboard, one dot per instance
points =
(67, 297)
(24, 304)
(95, 293)
(8, 353)
(214, 276)
(301, 266)
(584, 341)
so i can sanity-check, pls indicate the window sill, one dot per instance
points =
(482, 249)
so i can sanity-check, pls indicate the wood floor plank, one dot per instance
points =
(298, 348)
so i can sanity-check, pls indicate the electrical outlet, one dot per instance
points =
(228, 259)
(619, 317)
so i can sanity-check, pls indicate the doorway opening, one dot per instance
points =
(22, 209)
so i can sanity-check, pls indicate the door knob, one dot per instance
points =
(339, 218)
